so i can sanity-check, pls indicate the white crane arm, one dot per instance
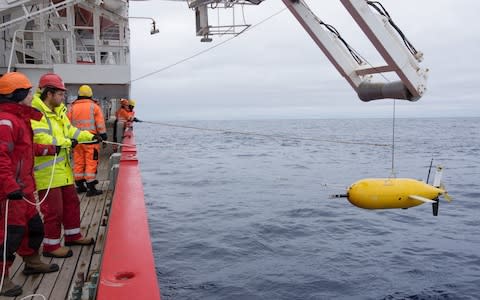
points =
(331, 46)
(412, 79)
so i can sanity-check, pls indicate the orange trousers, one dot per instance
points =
(85, 159)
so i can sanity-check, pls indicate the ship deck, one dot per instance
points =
(85, 260)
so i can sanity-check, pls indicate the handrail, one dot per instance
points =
(113, 52)
(38, 13)
(128, 266)
(14, 42)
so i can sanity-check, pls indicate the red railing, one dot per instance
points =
(128, 266)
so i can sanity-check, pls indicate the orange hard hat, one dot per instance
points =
(13, 81)
(124, 101)
(51, 80)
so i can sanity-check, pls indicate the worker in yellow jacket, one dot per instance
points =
(53, 175)
(86, 114)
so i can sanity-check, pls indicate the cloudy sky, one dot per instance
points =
(275, 70)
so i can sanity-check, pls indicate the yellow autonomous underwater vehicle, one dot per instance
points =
(386, 193)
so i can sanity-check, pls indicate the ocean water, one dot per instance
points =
(241, 216)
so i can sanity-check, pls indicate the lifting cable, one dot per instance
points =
(282, 136)
(393, 113)
(393, 138)
(360, 60)
(355, 54)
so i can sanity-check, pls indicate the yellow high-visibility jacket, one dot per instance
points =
(55, 129)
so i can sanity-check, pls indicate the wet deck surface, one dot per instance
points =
(85, 260)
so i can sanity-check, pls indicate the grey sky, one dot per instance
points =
(275, 70)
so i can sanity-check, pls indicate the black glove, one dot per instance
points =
(17, 195)
(97, 138)
(74, 143)
(136, 120)
(104, 136)
(58, 149)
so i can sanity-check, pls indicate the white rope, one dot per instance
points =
(269, 135)
(205, 50)
(336, 185)
(5, 255)
(34, 295)
(119, 144)
(6, 227)
(4, 245)
(49, 185)
(106, 142)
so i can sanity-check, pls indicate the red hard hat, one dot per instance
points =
(51, 80)
(124, 101)
(10, 82)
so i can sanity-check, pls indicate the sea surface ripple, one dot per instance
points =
(236, 216)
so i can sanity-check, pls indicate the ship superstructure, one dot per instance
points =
(85, 42)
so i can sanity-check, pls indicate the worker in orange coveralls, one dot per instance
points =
(131, 107)
(123, 114)
(86, 114)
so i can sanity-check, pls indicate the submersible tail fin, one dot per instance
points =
(420, 198)
(437, 182)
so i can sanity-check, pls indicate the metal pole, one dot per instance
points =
(11, 51)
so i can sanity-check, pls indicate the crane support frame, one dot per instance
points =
(412, 78)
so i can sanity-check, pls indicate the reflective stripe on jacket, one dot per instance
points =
(86, 114)
(17, 148)
(123, 115)
(55, 128)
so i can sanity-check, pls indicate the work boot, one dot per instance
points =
(92, 191)
(10, 289)
(33, 265)
(81, 188)
(62, 252)
(81, 242)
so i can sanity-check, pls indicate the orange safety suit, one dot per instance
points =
(124, 115)
(86, 114)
